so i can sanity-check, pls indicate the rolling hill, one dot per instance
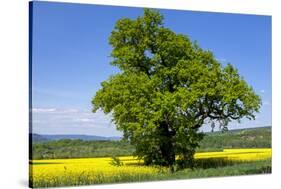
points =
(44, 138)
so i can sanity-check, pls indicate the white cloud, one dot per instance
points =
(72, 121)
(84, 120)
(43, 110)
(69, 110)
(266, 103)
(222, 60)
(54, 110)
(262, 91)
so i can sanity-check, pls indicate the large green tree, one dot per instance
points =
(167, 88)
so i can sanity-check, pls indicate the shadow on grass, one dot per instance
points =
(200, 163)
(134, 163)
(213, 163)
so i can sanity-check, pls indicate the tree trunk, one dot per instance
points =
(166, 145)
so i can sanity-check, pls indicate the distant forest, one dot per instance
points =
(217, 141)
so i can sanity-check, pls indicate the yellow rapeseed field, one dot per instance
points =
(100, 170)
(252, 154)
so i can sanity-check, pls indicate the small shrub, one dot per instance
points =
(115, 161)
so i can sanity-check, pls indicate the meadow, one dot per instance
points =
(77, 162)
(84, 171)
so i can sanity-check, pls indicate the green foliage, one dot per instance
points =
(167, 88)
(78, 148)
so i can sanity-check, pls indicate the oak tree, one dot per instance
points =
(167, 88)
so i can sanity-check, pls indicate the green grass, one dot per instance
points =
(257, 167)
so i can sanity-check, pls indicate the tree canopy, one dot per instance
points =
(167, 88)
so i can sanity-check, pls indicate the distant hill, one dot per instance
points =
(216, 141)
(259, 137)
(239, 130)
(45, 138)
(38, 138)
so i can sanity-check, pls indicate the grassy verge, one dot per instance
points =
(258, 167)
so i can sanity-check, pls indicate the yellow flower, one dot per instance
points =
(100, 170)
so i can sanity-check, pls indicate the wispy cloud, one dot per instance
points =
(72, 121)
(69, 110)
(221, 60)
(43, 110)
(84, 120)
(262, 91)
(54, 110)
(266, 103)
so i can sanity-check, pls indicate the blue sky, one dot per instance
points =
(71, 58)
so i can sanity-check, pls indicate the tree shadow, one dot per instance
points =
(205, 163)
(213, 163)
(135, 163)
